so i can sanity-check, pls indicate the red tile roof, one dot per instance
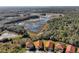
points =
(59, 48)
(48, 44)
(70, 49)
(38, 44)
(59, 45)
(29, 43)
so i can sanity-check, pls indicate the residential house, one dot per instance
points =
(77, 50)
(48, 45)
(70, 49)
(39, 45)
(30, 46)
(59, 48)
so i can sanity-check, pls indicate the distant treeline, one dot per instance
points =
(43, 9)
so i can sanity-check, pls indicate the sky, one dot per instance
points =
(39, 2)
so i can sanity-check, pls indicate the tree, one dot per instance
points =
(65, 34)
(77, 43)
(71, 41)
(26, 35)
(53, 37)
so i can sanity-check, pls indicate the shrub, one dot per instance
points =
(25, 35)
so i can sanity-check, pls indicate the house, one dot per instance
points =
(48, 45)
(70, 49)
(39, 45)
(77, 50)
(59, 48)
(30, 46)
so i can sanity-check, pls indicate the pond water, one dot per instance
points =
(35, 26)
